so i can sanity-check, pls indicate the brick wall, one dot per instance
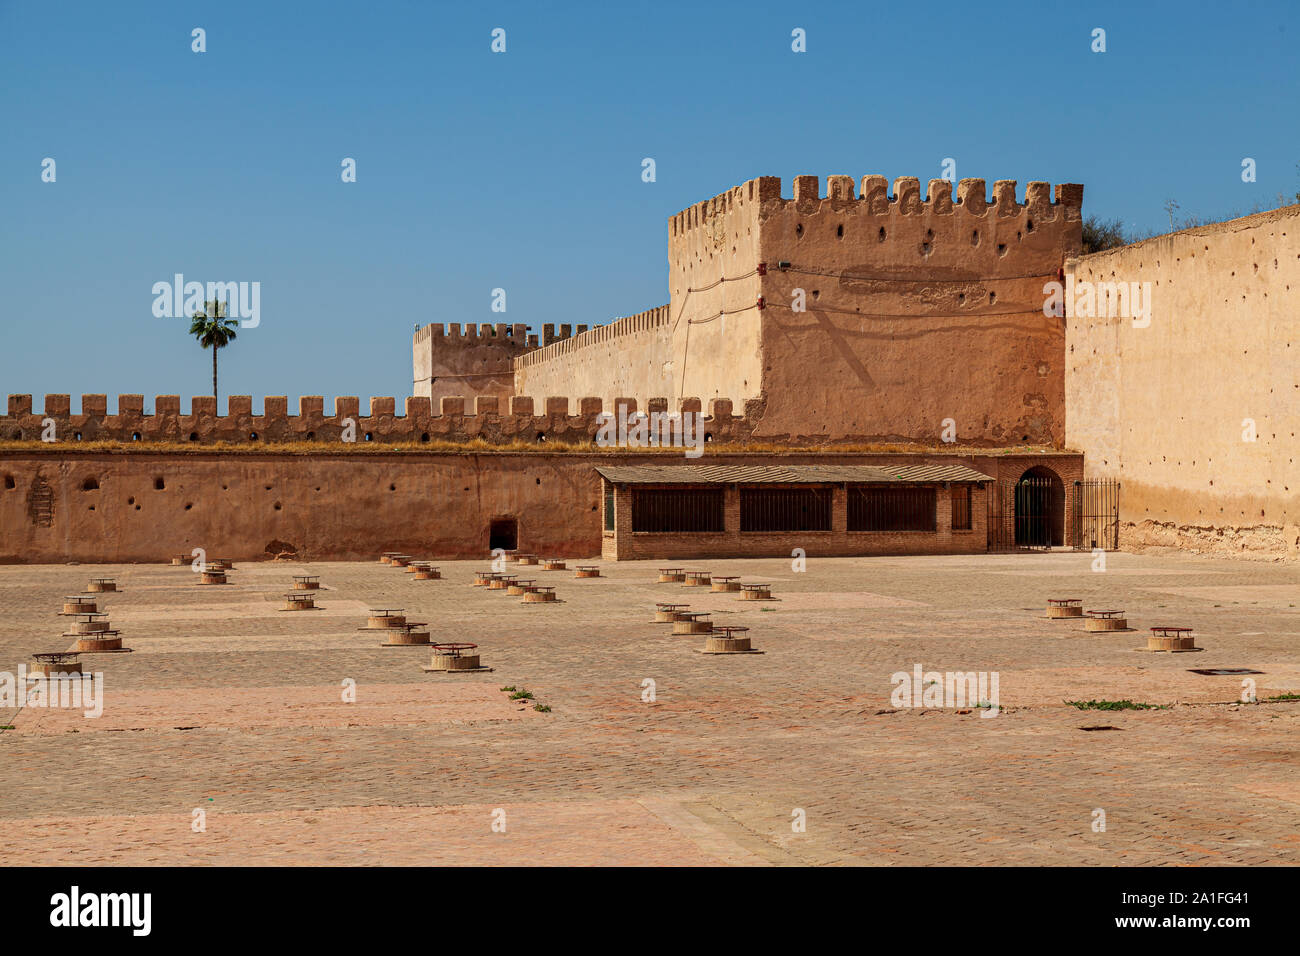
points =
(626, 545)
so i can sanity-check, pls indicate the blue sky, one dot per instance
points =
(522, 170)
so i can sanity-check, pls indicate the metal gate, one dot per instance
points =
(1024, 515)
(1095, 522)
(1034, 512)
(999, 501)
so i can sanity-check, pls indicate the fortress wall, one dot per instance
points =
(624, 357)
(713, 256)
(683, 348)
(472, 361)
(136, 505)
(1163, 408)
(457, 420)
(917, 309)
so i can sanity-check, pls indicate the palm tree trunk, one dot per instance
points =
(214, 373)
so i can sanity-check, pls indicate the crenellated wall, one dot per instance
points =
(714, 253)
(472, 360)
(917, 309)
(489, 419)
(624, 357)
(853, 315)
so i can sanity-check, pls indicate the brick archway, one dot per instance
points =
(1040, 508)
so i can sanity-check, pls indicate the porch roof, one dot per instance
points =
(786, 474)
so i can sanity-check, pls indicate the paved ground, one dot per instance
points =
(232, 708)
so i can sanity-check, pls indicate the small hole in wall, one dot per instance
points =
(91, 508)
(816, 293)
(424, 436)
(268, 487)
(189, 505)
(370, 436)
(135, 436)
(1029, 225)
(252, 436)
(392, 487)
(130, 501)
(9, 481)
(975, 238)
(839, 231)
(137, 507)
(798, 229)
(539, 481)
(311, 436)
(882, 234)
(77, 436)
(276, 506)
(90, 484)
(1002, 248)
(541, 436)
(708, 436)
(961, 297)
(159, 484)
(194, 436)
(993, 297)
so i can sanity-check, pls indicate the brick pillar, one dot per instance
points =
(622, 540)
(979, 517)
(731, 510)
(943, 512)
(840, 509)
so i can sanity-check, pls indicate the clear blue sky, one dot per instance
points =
(523, 170)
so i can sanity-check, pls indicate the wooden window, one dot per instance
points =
(961, 507)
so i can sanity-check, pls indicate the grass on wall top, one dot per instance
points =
(480, 446)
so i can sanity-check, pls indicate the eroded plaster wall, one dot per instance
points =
(139, 505)
(1168, 407)
(916, 310)
(911, 311)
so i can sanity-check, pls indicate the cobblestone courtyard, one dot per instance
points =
(230, 706)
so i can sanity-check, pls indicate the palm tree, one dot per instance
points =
(214, 331)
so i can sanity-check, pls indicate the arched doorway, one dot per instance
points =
(1040, 509)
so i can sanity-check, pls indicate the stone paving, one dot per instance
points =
(234, 708)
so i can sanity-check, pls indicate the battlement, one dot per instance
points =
(439, 335)
(455, 419)
(500, 331)
(564, 345)
(873, 196)
(746, 195)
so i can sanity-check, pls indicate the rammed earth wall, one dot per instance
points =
(60, 504)
(1168, 405)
